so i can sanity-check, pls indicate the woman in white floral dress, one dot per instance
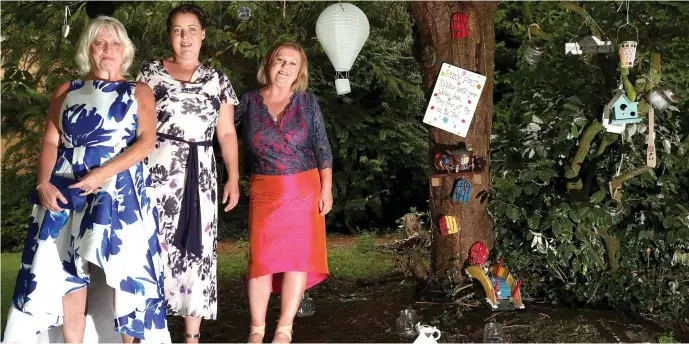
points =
(193, 102)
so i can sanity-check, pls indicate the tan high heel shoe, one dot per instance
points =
(284, 329)
(258, 330)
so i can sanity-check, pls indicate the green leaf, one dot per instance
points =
(557, 228)
(597, 197)
(533, 222)
(513, 213)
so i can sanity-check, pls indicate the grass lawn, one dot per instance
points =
(348, 258)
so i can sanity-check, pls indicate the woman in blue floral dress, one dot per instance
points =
(94, 206)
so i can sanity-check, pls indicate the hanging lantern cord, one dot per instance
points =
(258, 59)
(67, 14)
(342, 7)
(628, 24)
(284, 8)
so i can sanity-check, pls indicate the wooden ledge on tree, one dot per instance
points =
(437, 174)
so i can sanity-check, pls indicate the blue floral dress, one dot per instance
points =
(116, 230)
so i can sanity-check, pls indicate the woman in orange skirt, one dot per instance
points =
(291, 188)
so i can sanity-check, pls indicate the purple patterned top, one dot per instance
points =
(297, 144)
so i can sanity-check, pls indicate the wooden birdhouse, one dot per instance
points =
(459, 25)
(622, 110)
(448, 225)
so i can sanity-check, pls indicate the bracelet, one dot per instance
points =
(39, 185)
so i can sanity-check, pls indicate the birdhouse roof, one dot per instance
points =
(618, 96)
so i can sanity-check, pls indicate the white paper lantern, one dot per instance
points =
(342, 29)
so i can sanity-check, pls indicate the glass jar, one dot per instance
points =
(307, 307)
(493, 333)
(406, 324)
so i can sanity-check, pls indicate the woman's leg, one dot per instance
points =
(259, 295)
(130, 339)
(74, 307)
(293, 285)
(192, 326)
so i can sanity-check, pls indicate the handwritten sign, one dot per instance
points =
(454, 99)
(589, 45)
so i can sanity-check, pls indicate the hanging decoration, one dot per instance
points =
(589, 45)
(533, 52)
(462, 191)
(342, 29)
(65, 24)
(448, 225)
(454, 99)
(627, 47)
(663, 99)
(459, 25)
(627, 53)
(244, 13)
(622, 110)
(650, 141)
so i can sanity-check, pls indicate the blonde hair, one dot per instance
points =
(89, 34)
(302, 81)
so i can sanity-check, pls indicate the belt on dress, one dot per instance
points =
(188, 233)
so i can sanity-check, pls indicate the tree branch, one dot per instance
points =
(582, 12)
(528, 17)
(584, 145)
(617, 182)
(607, 140)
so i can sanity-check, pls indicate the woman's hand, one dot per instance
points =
(325, 201)
(48, 194)
(231, 192)
(91, 182)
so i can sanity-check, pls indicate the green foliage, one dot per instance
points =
(667, 338)
(378, 140)
(365, 243)
(568, 242)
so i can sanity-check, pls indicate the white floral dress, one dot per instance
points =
(184, 175)
(115, 230)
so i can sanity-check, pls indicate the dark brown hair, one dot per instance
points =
(187, 8)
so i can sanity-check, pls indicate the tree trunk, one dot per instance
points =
(474, 53)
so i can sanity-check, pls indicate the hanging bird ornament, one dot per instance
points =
(342, 29)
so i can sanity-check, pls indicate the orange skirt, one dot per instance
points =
(286, 231)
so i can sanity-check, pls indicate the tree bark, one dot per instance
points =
(474, 53)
